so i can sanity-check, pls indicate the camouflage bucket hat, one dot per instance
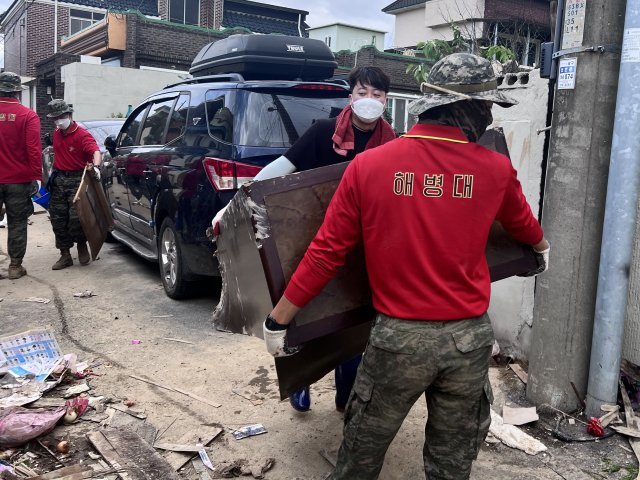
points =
(460, 76)
(58, 107)
(10, 82)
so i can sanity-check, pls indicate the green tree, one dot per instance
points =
(434, 50)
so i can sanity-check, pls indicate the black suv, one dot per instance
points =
(183, 153)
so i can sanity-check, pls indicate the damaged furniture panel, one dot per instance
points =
(94, 212)
(264, 235)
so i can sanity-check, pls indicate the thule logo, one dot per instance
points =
(295, 48)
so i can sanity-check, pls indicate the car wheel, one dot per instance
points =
(170, 261)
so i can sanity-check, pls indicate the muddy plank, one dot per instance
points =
(178, 459)
(131, 453)
(75, 472)
(519, 371)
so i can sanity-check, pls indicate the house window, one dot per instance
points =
(397, 110)
(81, 19)
(184, 11)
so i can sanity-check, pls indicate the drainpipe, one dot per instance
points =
(55, 27)
(619, 224)
(300, 24)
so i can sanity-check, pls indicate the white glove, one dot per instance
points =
(95, 171)
(35, 187)
(545, 259)
(275, 337)
(215, 223)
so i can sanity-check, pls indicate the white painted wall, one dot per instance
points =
(344, 37)
(410, 28)
(99, 91)
(439, 14)
(511, 309)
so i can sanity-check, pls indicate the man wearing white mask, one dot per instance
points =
(73, 149)
(358, 127)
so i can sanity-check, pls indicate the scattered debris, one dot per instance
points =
(18, 425)
(520, 372)
(248, 395)
(63, 447)
(174, 447)
(136, 342)
(85, 294)
(177, 459)
(594, 427)
(175, 389)
(519, 416)
(514, 437)
(67, 473)
(202, 453)
(583, 404)
(161, 316)
(76, 390)
(124, 450)
(329, 457)
(129, 403)
(200, 469)
(128, 411)
(177, 340)
(37, 300)
(243, 467)
(249, 431)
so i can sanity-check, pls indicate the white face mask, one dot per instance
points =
(63, 123)
(368, 109)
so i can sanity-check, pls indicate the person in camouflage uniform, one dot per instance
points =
(73, 149)
(20, 167)
(423, 206)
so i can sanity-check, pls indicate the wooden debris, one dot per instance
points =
(177, 340)
(175, 447)
(183, 392)
(609, 417)
(632, 421)
(178, 459)
(200, 469)
(252, 397)
(128, 411)
(519, 371)
(629, 432)
(125, 451)
(76, 472)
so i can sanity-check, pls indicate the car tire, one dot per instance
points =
(171, 262)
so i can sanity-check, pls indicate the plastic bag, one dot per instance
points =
(19, 425)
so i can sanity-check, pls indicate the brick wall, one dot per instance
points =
(392, 64)
(163, 9)
(48, 76)
(218, 9)
(40, 21)
(164, 45)
(536, 12)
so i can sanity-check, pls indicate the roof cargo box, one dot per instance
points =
(266, 57)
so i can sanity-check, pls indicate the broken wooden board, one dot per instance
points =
(93, 211)
(178, 390)
(519, 371)
(632, 421)
(126, 452)
(629, 432)
(265, 233)
(75, 472)
(178, 459)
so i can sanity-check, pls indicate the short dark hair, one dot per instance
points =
(373, 76)
(9, 94)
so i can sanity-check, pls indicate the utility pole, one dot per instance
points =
(574, 201)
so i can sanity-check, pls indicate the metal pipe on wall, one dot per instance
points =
(619, 224)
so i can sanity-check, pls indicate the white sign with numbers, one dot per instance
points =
(567, 73)
(573, 28)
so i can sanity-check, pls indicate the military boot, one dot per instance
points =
(16, 270)
(83, 253)
(64, 261)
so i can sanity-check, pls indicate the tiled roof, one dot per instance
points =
(398, 4)
(261, 23)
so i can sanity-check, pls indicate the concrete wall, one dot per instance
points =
(439, 14)
(98, 91)
(511, 307)
(631, 347)
(344, 37)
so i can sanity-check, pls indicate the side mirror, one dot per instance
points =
(47, 140)
(110, 145)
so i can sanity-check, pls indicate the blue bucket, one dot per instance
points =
(42, 198)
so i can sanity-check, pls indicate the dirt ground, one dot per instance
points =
(131, 305)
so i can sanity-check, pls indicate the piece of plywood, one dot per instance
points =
(178, 459)
(75, 472)
(93, 211)
(126, 451)
(519, 371)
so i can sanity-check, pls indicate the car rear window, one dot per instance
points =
(278, 118)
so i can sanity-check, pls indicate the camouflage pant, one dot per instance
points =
(445, 361)
(16, 198)
(64, 219)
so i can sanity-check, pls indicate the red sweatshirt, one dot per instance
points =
(73, 149)
(20, 150)
(423, 208)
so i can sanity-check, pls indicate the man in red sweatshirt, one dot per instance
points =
(422, 205)
(20, 167)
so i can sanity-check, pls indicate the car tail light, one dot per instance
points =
(227, 174)
(319, 86)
